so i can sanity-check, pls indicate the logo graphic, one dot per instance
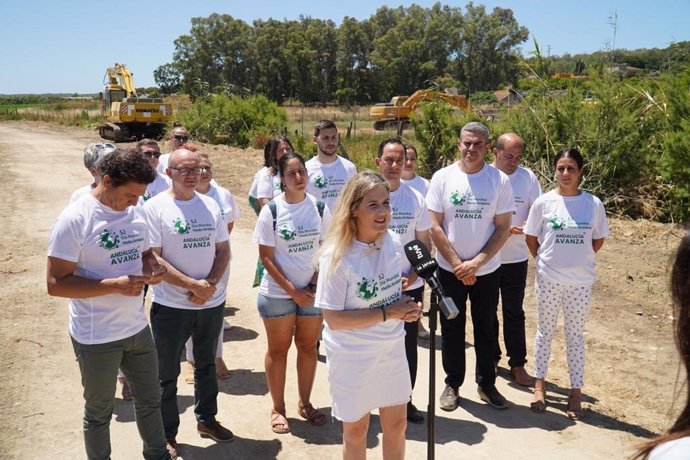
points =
(320, 182)
(456, 199)
(181, 227)
(287, 234)
(557, 223)
(147, 196)
(367, 289)
(108, 241)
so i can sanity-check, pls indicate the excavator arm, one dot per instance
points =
(120, 75)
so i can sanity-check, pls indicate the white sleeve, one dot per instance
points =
(600, 227)
(534, 189)
(434, 196)
(423, 218)
(331, 289)
(154, 225)
(263, 231)
(325, 223)
(264, 188)
(234, 212)
(506, 202)
(65, 241)
(534, 220)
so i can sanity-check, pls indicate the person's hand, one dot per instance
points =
(469, 280)
(405, 309)
(409, 280)
(154, 271)
(132, 285)
(516, 230)
(467, 268)
(202, 289)
(196, 300)
(303, 297)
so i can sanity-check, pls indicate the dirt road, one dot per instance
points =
(631, 365)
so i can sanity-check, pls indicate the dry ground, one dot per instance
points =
(632, 364)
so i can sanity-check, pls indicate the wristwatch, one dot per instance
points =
(312, 287)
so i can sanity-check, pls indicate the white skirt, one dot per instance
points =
(364, 380)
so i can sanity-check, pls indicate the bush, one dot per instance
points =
(233, 120)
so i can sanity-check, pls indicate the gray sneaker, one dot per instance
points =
(449, 399)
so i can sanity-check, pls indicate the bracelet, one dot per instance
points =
(383, 312)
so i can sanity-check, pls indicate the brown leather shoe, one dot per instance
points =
(520, 376)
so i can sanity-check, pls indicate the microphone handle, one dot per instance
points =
(446, 304)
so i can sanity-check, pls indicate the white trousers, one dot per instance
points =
(575, 301)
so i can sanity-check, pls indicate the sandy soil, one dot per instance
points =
(632, 365)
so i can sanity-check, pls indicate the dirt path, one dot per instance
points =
(631, 361)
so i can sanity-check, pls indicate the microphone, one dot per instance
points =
(425, 266)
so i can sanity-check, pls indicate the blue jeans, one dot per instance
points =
(136, 356)
(483, 296)
(171, 329)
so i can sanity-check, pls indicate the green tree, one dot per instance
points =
(167, 77)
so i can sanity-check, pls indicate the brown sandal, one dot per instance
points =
(279, 423)
(538, 406)
(574, 412)
(311, 415)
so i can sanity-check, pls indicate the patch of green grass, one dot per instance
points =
(22, 106)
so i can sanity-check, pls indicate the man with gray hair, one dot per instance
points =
(93, 153)
(471, 205)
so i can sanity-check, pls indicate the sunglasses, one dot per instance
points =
(181, 138)
(152, 154)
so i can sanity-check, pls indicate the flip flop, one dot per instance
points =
(574, 413)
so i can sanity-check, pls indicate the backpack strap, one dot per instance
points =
(274, 212)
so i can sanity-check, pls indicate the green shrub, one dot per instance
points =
(232, 120)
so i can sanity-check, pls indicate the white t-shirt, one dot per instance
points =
(299, 229)
(565, 227)
(469, 203)
(187, 233)
(418, 183)
(678, 449)
(526, 189)
(80, 192)
(367, 367)
(409, 215)
(104, 244)
(254, 188)
(327, 180)
(268, 185)
(228, 207)
(160, 184)
(163, 161)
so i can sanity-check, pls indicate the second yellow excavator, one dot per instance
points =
(390, 114)
(130, 117)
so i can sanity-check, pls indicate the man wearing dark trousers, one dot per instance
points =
(190, 238)
(471, 205)
(514, 255)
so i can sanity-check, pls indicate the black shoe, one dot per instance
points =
(449, 399)
(215, 431)
(413, 414)
(171, 446)
(491, 396)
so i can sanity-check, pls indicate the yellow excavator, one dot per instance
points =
(130, 117)
(391, 114)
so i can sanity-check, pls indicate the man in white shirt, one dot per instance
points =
(179, 136)
(190, 238)
(471, 205)
(410, 220)
(514, 254)
(151, 151)
(92, 154)
(99, 258)
(328, 172)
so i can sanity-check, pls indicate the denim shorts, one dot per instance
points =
(275, 307)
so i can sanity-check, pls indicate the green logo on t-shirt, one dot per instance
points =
(181, 227)
(367, 289)
(287, 234)
(456, 199)
(320, 182)
(556, 222)
(108, 240)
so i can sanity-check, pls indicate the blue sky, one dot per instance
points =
(66, 45)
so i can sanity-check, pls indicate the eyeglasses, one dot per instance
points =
(205, 169)
(152, 154)
(188, 172)
(181, 138)
(391, 161)
(293, 172)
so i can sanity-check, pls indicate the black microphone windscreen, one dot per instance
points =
(420, 258)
